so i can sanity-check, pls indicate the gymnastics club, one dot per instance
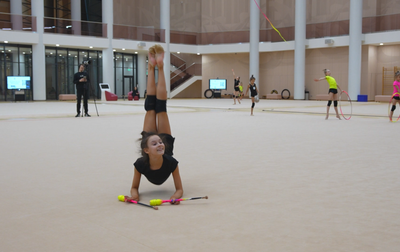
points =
(124, 199)
(157, 202)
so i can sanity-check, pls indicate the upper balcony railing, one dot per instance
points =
(138, 33)
(75, 27)
(313, 30)
(12, 22)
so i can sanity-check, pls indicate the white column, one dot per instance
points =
(300, 49)
(141, 71)
(356, 8)
(254, 41)
(16, 12)
(165, 24)
(76, 16)
(108, 54)
(38, 53)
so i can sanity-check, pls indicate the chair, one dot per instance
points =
(130, 97)
(110, 96)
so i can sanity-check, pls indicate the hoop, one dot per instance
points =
(340, 104)
(209, 94)
(390, 103)
(288, 94)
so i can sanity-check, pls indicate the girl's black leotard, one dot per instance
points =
(253, 90)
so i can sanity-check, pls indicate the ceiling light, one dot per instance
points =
(381, 44)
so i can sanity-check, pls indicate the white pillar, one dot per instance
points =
(76, 16)
(108, 54)
(254, 41)
(354, 81)
(16, 14)
(141, 71)
(300, 49)
(165, 24)
(38, 53)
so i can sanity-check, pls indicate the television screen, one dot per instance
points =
(18, 82)
(218, 84)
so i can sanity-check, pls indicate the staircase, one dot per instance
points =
(182, 76)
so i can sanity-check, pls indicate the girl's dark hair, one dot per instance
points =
(252, 77)
(325, 70)
(397, 74)
(143, 144)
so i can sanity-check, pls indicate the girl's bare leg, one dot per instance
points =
(328, 107)
(252, 101)
(149, 124)
(336, 109)
(161, 92)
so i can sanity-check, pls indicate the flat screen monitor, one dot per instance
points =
(18, 82)
(218, 84)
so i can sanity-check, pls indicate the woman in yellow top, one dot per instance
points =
(333, 86)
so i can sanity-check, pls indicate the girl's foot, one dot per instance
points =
(159, 53)
(338, 117)
(326, 118)
(152, 57)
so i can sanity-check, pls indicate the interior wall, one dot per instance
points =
(369, 85)
(387, 56)
(221, 65)
(193, 91)
(279, 12)
(137, 12)
(186, 15)
(276, 72)
(335, 59)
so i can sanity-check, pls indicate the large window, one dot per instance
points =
(63, 63)
(125, 73)
(15, 60)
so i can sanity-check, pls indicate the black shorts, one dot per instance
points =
(396, 97)
(237, 89)
(254, 95)
(332, 90)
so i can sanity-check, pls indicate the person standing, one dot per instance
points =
(81, 79)
(333, 90)
(396, 96)
(236, 87)
(253, 92)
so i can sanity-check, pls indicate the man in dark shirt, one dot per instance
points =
(81, 79)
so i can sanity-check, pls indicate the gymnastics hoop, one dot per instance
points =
(274, 92)
(210, 96)
(288, 93)
(340, 105)
(390, 103)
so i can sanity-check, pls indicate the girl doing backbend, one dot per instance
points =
(396, 97)
(333, 86)
(156, 163)
(253, 92)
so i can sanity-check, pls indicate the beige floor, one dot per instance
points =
(282, 180)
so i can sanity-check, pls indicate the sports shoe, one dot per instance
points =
(77, 115)
(87, 115)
